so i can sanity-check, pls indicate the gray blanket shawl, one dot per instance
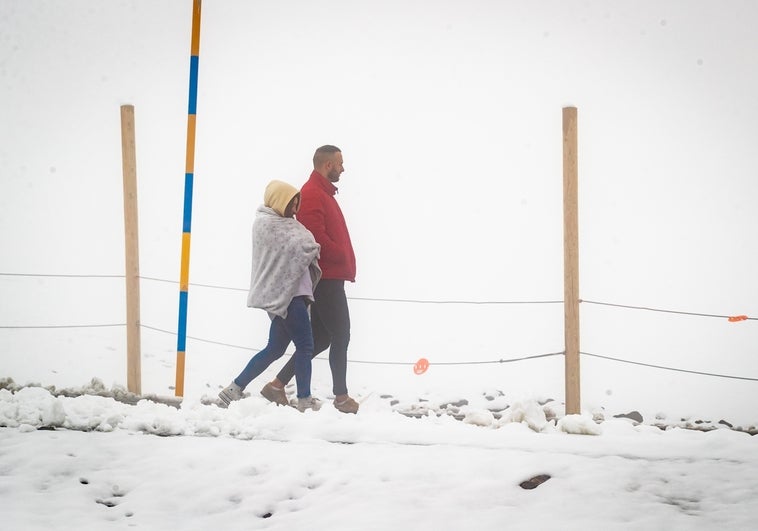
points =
(283, 250)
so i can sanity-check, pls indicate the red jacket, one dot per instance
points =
(321, 214)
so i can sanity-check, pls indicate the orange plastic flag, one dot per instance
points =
(736, 318)
(421, 366)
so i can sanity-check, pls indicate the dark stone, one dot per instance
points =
(634, 415)
(534, 482)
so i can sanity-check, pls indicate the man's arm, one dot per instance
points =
(313, 216)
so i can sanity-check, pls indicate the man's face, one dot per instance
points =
(335, 168)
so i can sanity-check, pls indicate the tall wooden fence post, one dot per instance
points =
(131, 238)
(571, 259)
(189, 177)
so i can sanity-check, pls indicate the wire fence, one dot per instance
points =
(731, 318)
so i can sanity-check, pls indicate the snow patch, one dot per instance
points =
(579, 425)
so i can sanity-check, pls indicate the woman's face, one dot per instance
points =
(293, 207)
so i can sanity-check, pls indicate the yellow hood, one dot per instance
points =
(278, 195)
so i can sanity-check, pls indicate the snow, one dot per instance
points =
(449, 121)
(94, 462)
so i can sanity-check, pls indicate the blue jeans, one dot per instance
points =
(296, 328)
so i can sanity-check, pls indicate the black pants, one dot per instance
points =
(330, 321)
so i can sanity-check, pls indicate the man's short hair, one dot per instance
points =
(323, 153)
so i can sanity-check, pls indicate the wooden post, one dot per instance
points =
(571, 259)
(131, 233)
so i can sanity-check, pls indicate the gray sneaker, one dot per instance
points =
(308, 403)
(229, 394)
(277, 396)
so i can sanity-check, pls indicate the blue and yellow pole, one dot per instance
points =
(187, 218)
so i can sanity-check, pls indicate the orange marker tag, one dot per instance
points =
(736, 318)
(421, 366)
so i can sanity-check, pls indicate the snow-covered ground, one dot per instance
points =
(93, 462)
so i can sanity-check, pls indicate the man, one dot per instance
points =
(330, 318)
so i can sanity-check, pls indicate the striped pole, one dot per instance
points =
(187, 218)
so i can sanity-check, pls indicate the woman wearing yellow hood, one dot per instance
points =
(284, 273)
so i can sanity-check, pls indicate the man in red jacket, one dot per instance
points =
(330, 318)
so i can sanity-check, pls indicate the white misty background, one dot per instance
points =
(449, 118)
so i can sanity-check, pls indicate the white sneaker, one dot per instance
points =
(308, 403)
(229, 394)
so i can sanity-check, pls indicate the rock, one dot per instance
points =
(633, 415)
(534, 482)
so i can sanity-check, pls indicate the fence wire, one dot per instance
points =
(402, 301)
(645, 308)
(34, 275)
(41, 327)
(669, 368)
(200, 339)
(371, 299)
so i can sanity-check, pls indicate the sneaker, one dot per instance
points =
(277, 396)
(308, 403)
(348, 405)
(229, 394)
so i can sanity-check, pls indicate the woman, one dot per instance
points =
(285, 271)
